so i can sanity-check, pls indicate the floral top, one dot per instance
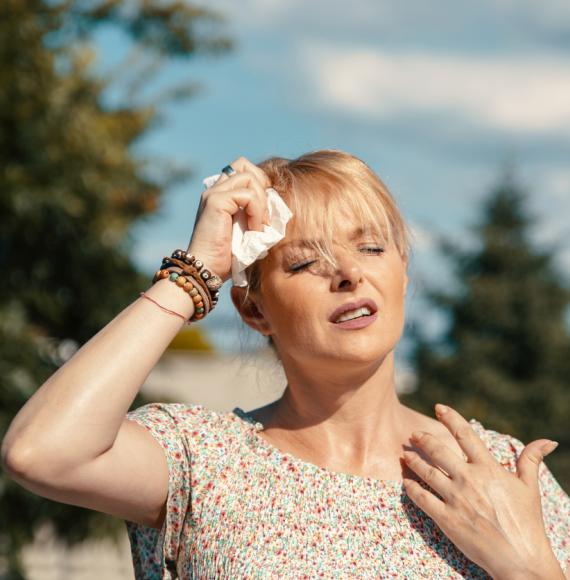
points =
(238, 507)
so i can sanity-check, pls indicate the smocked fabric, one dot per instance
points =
(238, 507)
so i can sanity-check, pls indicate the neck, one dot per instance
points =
(350, 415)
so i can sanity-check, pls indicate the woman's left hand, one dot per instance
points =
(492, 515)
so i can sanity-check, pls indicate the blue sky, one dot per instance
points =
(436, 97)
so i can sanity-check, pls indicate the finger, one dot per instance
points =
(241, 179)
(431, 474)
(530, 459)
(244, 164)
(241, 164)
(249, 181)
(439, 453)
(261, 195)
(236, 165)
(468, 440)
(248, 200)
(434, 507)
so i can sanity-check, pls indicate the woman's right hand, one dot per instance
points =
(212, 236)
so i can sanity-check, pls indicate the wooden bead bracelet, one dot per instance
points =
(186, 284)
(212, 281)
(202, 285)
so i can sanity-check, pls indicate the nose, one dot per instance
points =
(348, 273)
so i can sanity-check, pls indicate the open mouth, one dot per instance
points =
(354, 314)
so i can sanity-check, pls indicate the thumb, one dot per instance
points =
(530, 459)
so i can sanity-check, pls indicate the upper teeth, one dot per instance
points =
(364, 311)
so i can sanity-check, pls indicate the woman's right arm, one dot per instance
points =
(74, 429)
(71, 441)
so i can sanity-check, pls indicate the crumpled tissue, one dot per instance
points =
(248, 245)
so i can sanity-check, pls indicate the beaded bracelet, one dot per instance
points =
(202, 285)
(191, 273)
(183, 282)
(212, 292)
(211, 298)
(213, 282)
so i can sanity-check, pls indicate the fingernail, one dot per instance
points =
(441, 409)
(549, 447)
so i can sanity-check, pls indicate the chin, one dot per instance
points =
(369, 353)
(372, 357)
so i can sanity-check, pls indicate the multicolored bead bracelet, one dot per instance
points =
(212, 282)
(185, 282)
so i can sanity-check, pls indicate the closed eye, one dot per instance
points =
(300, 266)
(303, 265)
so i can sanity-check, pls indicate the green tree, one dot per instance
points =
(504, 358)
(71, 187)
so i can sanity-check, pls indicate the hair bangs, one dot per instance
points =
(323, 204)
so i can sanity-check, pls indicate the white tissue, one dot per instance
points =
(250, 245)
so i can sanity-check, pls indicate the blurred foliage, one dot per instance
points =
(71, 187)
(505, 358)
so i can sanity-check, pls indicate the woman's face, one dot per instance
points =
(300, 291)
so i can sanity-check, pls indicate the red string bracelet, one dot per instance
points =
(165, 309)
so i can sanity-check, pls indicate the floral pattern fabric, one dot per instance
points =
(238, 507)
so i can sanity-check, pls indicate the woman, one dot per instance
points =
(336, 479)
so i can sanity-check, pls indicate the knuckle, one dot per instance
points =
(463, 432)
(432, 473)
(411, 457)
(421, 494)
(252, 194)
(450, 520)
(413, 489)
(488, 472)
(481, 505)
(242, 193)
(427, 440)
(437, 450)
(460, 478)
(454, 497)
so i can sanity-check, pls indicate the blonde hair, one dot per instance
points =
(320, 185)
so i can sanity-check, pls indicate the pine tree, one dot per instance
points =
(505, 357)
(71, 187)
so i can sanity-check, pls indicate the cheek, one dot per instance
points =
(290, 304)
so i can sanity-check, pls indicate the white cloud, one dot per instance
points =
(516, 94)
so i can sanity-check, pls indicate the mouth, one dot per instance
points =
(354, 311)
(355, 323)
(354, 314)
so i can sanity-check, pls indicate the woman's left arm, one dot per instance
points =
(492, 515)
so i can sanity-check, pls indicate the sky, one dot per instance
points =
(438, 98)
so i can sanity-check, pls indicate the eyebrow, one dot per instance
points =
(356, 233)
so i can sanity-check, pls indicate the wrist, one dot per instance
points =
(546, 567)
(172, 297)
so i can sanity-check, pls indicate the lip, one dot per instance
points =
(355, 323)
(353, 306)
